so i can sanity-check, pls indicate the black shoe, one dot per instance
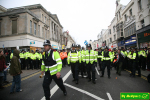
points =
(119, 74)
(109, 77)
(101, 76)
(94, 82)
(73, 80)
(116, 72)
(82, 76)
(6, 82)
(89, 80)
(76, 82)
(65, 93)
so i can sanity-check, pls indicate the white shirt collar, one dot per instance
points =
(49, 51)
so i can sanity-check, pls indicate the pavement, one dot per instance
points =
(104, 89)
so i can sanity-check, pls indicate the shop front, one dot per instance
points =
(131, 42)
(144, 37)
(120, 44)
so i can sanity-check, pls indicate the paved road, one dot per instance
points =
(104, 89)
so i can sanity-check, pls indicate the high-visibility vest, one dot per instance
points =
(110, 57)
(90, 57)
(74, 57)
(11, 55)
(53, 68)
(21, 55)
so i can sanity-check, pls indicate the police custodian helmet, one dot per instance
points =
(73, 45)
(89, 45)
(46, 42)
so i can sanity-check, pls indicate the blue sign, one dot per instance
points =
(3, 45)
(85, 42)
(32, 42)
(54, 46)
(130, 41)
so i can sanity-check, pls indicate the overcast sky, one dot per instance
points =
(84, 19)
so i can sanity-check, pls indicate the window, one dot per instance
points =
(14, 26)
(115, 37)
(45, 33)
(35, 28)
(140, 5)
(142, 23)
(110, 40)
(42, 17)
(45, 19)
(113, 28)
(30, 26)
(130, 12)
(110, 31)
(125, 17)
(119, 15)
(39, 30)
(42, 31)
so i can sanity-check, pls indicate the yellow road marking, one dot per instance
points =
(24, 78)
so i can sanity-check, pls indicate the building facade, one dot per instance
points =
(28, 27)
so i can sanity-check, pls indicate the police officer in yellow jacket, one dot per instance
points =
(91, 62)
(74, 59)
(51, 65)
(107, 59)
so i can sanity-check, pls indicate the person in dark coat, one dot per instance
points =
(148, 60)
(2, 67)
(15, 71)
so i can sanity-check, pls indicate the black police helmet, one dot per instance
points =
(46, 42)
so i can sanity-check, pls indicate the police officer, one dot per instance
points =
(27, 56)
(22, 58)
(107, 59)
(143, 58)
(91, 62)
(36, 60)
(83, 61)
(99, 58)
(135, 64)
(52, 66)
(74, 59)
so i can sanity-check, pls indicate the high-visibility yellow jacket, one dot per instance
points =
(90, 57)
(73, 57)
(110, 57)
(53, 68)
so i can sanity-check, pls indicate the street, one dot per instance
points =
(104, 89)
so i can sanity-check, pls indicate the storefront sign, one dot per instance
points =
(32, 42)
(54, 46)
(146, 34)
(130, 41)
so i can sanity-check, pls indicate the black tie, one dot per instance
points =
(46, 55)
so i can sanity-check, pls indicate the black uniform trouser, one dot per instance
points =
(31, 65)
(130, 63)
(100, 63)
(134, 67)
(91, 67)
(36, 64)
(104, 64)
(47, 81)
(81, 68)
(148, 65)
(22, 63)
(74, 69)
(143, 62)
(27, 63)
(30, 62)
(64, 61)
